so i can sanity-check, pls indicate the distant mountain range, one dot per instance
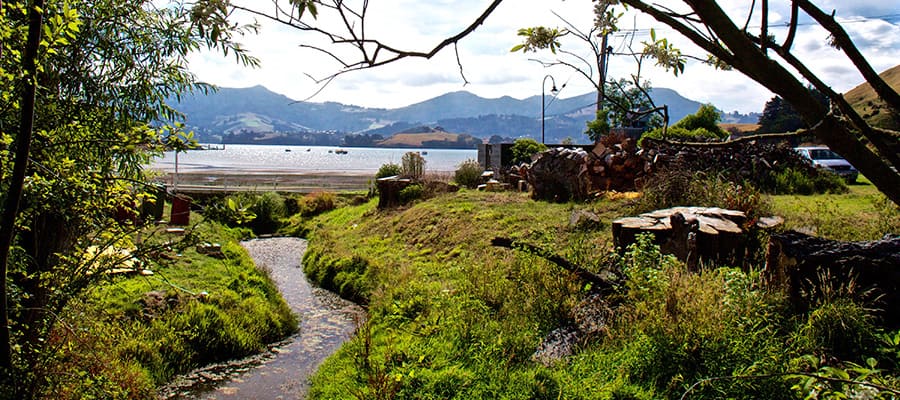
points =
(258, 115)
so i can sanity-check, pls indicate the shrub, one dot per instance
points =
(232, 211)
(386, 170)
(599, 127)
(316, 203)
(412, 165)
(706, 118)
(411, 192)
(269, 209)
(681, 134)
(468, 174)
(795, 181)
(523, 149)
(701, 126)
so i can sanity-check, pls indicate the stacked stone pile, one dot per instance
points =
(616, 164)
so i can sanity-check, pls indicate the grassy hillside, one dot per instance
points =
(416, 139)
(866, 102)
(743, 128)
(453, 318)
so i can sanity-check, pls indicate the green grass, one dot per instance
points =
(120, 345)
(453, 317)
(862, 214)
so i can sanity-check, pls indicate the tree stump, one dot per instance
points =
(692, 233)
(803, 265)
(389, 191)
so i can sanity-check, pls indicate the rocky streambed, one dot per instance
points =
(282, 372)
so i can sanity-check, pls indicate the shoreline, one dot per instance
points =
(266, 181)
(227, 181)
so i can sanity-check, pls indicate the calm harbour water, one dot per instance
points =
(247, 158)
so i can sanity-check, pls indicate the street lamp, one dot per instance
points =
(553, 91)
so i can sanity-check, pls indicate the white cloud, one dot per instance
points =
(494, 72)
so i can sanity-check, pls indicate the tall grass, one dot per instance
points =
(130, 334)
(452, 318)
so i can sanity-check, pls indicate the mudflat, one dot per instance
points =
(264, 181)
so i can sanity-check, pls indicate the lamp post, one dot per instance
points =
(553, 91)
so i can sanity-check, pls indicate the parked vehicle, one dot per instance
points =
(823, 157)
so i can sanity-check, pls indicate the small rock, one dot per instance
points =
(558, 344)
(584, 220)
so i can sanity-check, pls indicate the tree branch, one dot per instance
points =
(891, 97)
(582, 273)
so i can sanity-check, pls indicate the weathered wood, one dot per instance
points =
(801, 264)
(389, 191)
(599, 282)
(562, 174)
(691, 233)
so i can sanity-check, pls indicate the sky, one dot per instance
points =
(492, 71)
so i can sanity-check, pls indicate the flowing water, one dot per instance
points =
(326, 321)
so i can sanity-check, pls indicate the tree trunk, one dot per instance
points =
(806, 266)
(17, 180)
(738, 50)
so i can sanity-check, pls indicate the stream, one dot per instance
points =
(282, 372)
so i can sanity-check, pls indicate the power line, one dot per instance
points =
(856, 20)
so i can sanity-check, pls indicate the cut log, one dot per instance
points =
(691, 233)
(802, 265)
(389, 191)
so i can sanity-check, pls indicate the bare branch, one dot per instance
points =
(795, 11)
(891, 97)
(373, 53)
(749, 15)
(838, 100)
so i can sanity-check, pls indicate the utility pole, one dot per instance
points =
(601, 94)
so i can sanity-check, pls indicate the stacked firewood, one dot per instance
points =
(562, 174)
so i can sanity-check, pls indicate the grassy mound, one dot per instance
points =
(452, 317)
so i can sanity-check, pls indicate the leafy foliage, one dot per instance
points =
(524, 148)
(468, 174)
(599, 127)
(105, 71)
(412, 165)
(537, 38)
(665, 54)
(700, 126)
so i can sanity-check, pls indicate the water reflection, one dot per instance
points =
(283, 371)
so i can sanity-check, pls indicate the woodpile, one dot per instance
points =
(693, 234)
(563, 174)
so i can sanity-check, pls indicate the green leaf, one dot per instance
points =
(517, 48)
(836, 372)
